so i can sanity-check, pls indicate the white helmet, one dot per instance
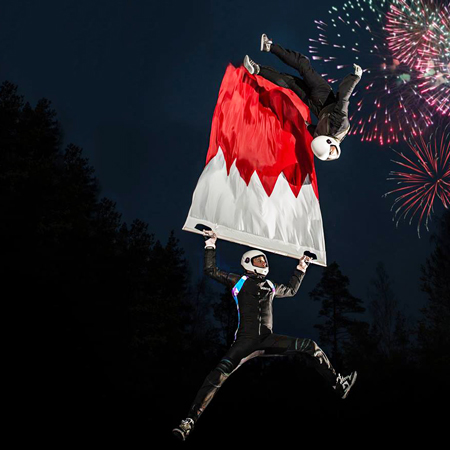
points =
(321, 146)
(247, 262)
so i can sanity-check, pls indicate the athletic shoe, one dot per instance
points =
(182, 431)
(251, 66)
(265, 43)
(344, 384)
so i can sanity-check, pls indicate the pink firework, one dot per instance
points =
(419, 36)
(386, 105)
(427, 178)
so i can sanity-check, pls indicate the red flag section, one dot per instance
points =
(262, 127)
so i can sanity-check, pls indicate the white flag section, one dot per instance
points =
(259, 186)
(282, 223)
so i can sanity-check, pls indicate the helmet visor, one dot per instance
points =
(259, 261)
(334, 150)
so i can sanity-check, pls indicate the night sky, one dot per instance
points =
(135, 85)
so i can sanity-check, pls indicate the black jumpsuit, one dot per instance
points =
(254, 295)
(331, 109)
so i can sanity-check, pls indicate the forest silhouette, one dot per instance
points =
(110, 332)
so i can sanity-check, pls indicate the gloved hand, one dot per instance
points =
(210, 238)
(303, 263)
(358, 70)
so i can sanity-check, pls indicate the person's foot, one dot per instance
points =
(182, 431)
(251, 66)
(265, 43)
(344, 384)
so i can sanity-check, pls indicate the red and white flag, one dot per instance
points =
(259, 185)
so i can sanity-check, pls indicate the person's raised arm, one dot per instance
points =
(346, 88)
(290, 289)
(209, 265)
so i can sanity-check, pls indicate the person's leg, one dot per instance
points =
(212, 383)
(269, 73)
(285, 345)
(284, 80)
(321, 92)
(299, 62)
(238, 354)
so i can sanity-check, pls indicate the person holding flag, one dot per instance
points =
(254, 293)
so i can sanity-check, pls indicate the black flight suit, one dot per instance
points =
(331, 109)
(254, 336)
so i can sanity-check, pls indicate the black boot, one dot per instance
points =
(184, 429)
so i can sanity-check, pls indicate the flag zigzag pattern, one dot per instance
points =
(261, 127)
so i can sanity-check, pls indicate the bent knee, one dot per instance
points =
(225, 367)
(304, 346)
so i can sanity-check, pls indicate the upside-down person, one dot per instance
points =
(254, 294)
(330, 108)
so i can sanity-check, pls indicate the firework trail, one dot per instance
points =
(419, 36)
(427, 178)
(387, 106)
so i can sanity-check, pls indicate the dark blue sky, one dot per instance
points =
(135, 84)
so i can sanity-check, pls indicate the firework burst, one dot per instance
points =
(387, 107)
(427, 178)
(419, 36)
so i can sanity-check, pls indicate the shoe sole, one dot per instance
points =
(178, 434)
(263, 45)
(248, 66)
(353, 382)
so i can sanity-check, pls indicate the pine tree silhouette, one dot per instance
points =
(434, 336)
(337, 307)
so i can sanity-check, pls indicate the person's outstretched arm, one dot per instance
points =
(348, 84)
(290, 289)
(209, 264)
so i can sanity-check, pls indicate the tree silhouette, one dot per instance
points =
(389, 325)
(434, 336)
(106, 305)
(226, 314)
(337, 306)
(205, 332)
